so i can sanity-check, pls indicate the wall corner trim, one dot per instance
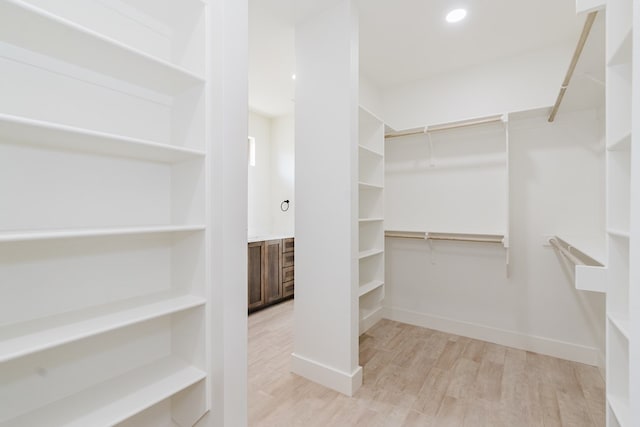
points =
(342, 382)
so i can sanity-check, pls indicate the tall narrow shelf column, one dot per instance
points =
(371, 219)
(326, 176)
(620, 290)
(106, 303)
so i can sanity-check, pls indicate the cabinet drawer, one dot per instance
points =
(287, 274)
(288, 259)
(287, 288)
(288, 245)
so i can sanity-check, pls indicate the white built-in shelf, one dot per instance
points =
(371, 219)
(621, 144)
(593, 246)
(369, 253)
(365, 313)
(21, 236)
(620, 409)
(51, 135)
(621, 323)
(368, 186)
(65, 40)
(618, 233)
(115, 400)
(30, 337)
(370, 151)
(622, 53)
(370, 286)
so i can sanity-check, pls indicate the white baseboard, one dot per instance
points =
(371, 319)
(327, 376)
(602, 365)
(549, 347)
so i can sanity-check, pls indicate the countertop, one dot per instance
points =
(252, 239)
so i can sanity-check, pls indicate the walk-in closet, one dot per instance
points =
(269, 213)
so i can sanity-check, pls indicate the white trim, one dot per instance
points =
(602, 365)
(563, 350)
(327, 376)
(371, 319)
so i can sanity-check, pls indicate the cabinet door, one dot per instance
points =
(273, 270)
(255, 272)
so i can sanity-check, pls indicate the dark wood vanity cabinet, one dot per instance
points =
(270, 272)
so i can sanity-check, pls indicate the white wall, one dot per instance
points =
(282, 174)
(517, 83)
(556, 186)
(259, 219)
(271, 180)
(326, 308)
(370, 96)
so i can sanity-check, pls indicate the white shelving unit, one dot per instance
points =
(620, 293)
(371, 219)
(103, 230)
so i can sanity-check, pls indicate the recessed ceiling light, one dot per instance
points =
(293, 76)
(456, 15)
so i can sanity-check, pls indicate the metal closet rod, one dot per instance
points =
(459, 237)
(447, 126)
(588, 23)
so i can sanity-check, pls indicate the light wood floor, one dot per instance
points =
(420, 377)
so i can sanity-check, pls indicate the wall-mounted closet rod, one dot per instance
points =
(447, 126)
(460, 237)
(588, 23)
(565, 252)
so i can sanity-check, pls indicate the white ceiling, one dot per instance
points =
(403, 40)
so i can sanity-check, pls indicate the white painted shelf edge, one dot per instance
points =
(68, 39)
(620, 410)
(618, 233)
(369, 253)
(592, 246)
(57, 136)
(621, 144)
(46, 333)
(370, 219)
(21, 236)
(118, 399)
(366, 313)
(370, 286)
(622, 53)
(369, 186)
(370, 151)
(621, 324)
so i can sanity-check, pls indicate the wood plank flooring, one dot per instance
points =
(420, 377)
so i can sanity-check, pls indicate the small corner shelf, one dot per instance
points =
(369, 186)
(620, 409)
(587, 257)
(370, 253)
(56, 136)
(621, 144)
(370, 151)
(615, 232)
(118, 399)
(43, 334)
(21, 236)
(66, 40)
(622, 53)
(370, 286)
(361, 220)
(620, 323)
